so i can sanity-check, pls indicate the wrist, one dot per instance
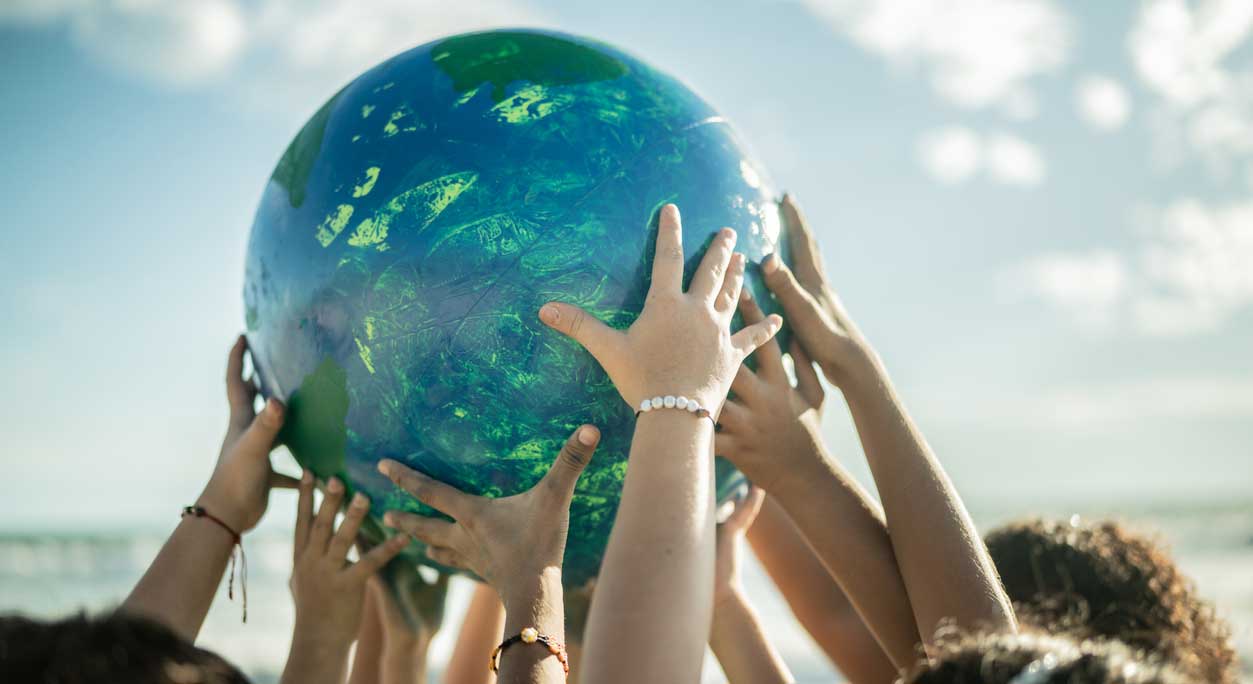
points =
(535, 600)
(216, 505)
(311, 635)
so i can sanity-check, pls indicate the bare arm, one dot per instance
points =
(739, 642)
(178, 588)
(480, 632)
(662, 597)
(772, 432)
(655, 587)
(942, 560)
(737, 639)
(816, 600)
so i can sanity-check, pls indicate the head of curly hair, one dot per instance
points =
(105, 649)
(1030, 658)
(1101, 581)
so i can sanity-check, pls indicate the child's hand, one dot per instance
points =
(681, 344)
(507, 541)
(329, 591)
(814, 312)
(730, 533)
(426, 601)
(769, 424)
(239, 489)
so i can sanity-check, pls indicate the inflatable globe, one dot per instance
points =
(416, 224)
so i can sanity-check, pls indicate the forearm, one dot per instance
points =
(942, 559)
(480, 632)
(746, 655)
(846, 531)
(311, 661)
(816, 599)
(178, 588)
(405, 663)
(651, 615)
(367, 658)
(536, 603)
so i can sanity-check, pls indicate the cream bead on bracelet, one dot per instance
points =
(680, 402)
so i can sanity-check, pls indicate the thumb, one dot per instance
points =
(259, 438)
(573, 458)
(582, 327)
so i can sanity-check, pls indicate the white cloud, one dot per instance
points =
(1088, 286)
(1193, 57)
(1102, 102)
(955, 154)
(179, 43)
(977, 53)
(1014, 161)
(275, 52)
(950, 155)
(1191, 273)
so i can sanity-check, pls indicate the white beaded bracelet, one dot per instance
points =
(680, 402)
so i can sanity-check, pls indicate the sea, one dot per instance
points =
(54, 573)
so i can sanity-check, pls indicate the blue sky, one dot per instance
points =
(1039, 212)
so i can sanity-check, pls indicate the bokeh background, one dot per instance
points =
(1041, 213)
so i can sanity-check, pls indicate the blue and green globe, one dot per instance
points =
(416, 224)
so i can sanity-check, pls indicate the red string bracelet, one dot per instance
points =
(200, 512)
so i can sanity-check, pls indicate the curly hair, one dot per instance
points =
(1028, 658)
(1100, 580)
(111, 648)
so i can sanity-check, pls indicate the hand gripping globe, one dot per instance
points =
(416, 224)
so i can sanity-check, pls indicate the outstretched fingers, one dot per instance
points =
(668, 254)
(426, 489)
(803, 247)
(597, 338)
(732, 285)
(804, 314)
(752, 337)
(239, 392)
(572, 459)
(344, 537)
(377, 557)
(707, 282)
(304, 513)
(807, 382)
(428, 530)
(324, 521)
(769, 356)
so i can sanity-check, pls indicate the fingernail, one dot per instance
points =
(746, 295)
(389, 519)
(770, 264)
(306, 477)
(359, 500)
(549, 314)
(587, 435)
(335, 486)
(385, 468)
(398, 542)
(273, 408)
(728, 234)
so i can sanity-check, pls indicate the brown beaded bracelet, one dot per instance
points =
(530, 635)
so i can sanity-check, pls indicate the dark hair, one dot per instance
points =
(108, 649)
(1099, 580)
(1027, 658)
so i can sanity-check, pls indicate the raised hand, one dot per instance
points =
(329, 591)
(814, 312)
(239, 489)
(681, 343)
(769, 425)
(730, 532)
(506, 540)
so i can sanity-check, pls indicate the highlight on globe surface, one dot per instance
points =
(542, 372)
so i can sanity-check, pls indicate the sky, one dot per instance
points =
(1039, 212)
